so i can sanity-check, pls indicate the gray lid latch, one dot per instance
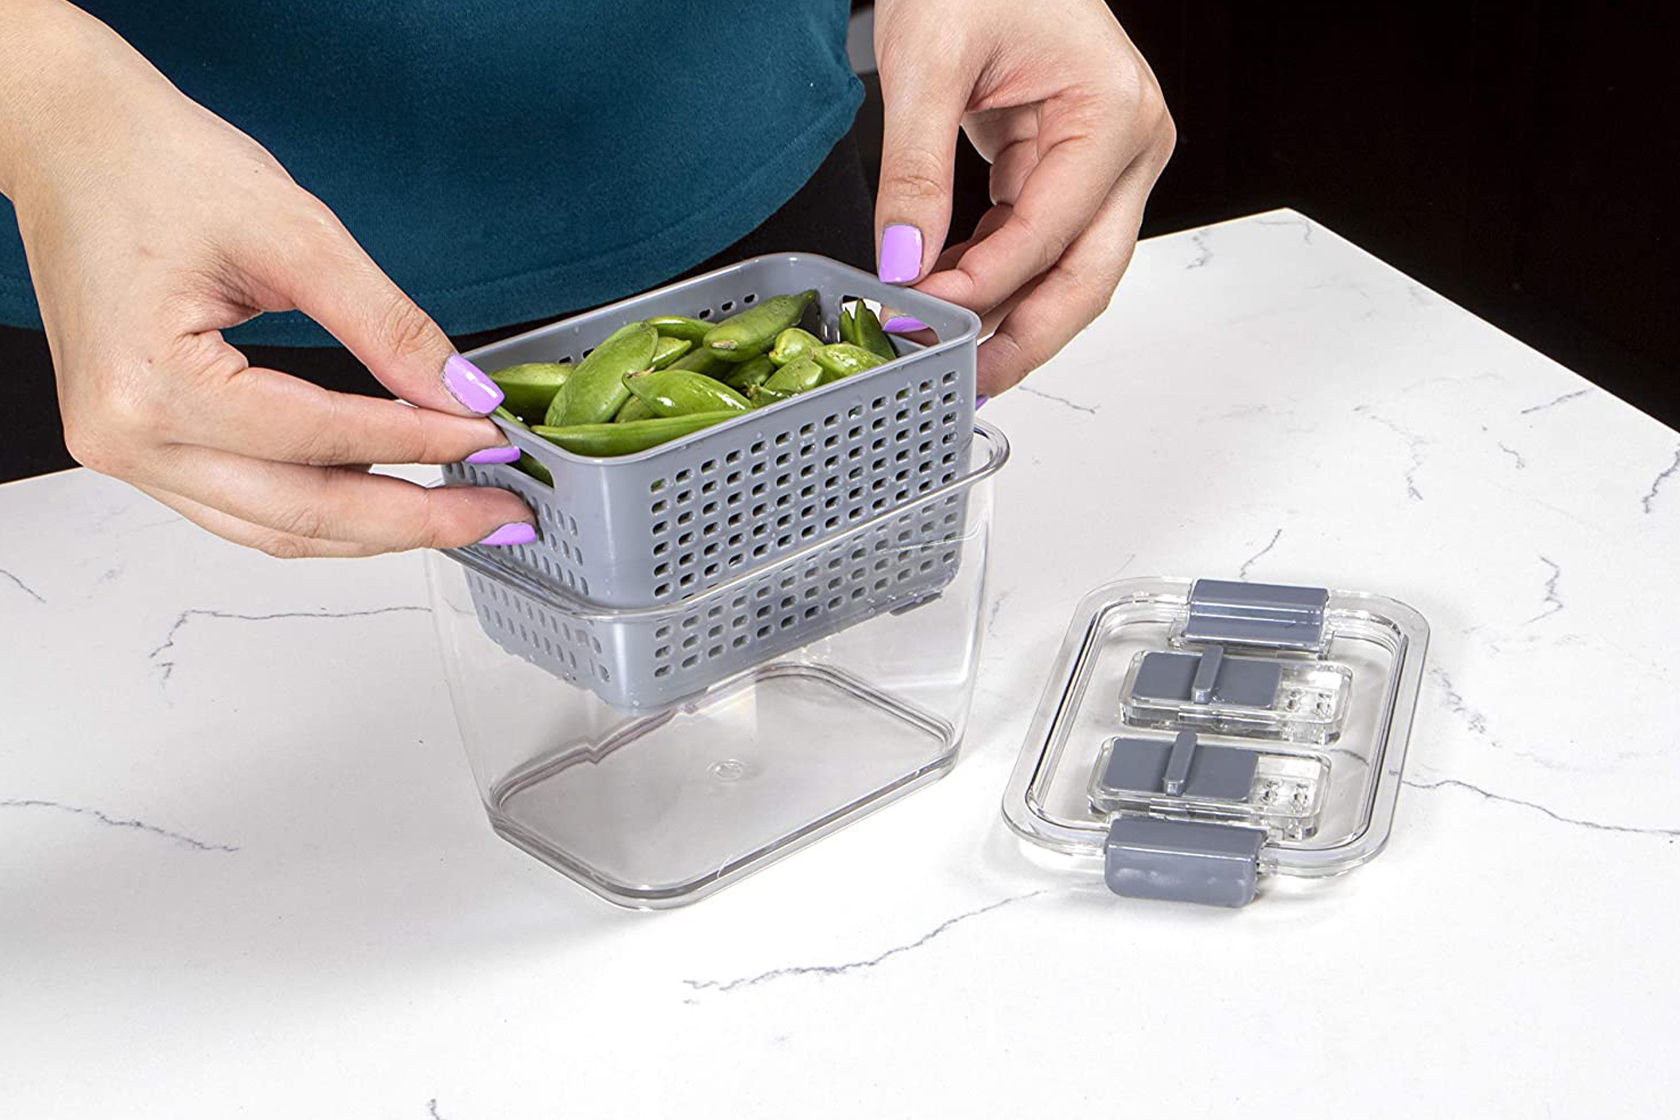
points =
(1182, 860)
(1273, 616)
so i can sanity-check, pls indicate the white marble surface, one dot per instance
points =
(243, 871)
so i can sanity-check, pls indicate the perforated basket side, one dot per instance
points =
(683, 517)
(642, 663)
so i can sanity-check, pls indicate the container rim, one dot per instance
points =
(991, 443)
(928, 308)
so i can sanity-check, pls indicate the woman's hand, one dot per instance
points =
(150, 226)
(1055, 96)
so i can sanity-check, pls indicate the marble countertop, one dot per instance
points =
(244, 872)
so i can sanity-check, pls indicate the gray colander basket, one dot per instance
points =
(670, 522)
(648, 658)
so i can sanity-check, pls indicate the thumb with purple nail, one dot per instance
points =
(1055, 96)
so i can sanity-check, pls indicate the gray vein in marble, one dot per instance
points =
(991, 619)
(1579, 822)
(158, 524)
(1555, 401)
(115, 822)
(431, 1109)
(1204, 254)
(1306, 226)
(860, 965)
(1243, 410)
(1418, 294)
(1515, 454)
(1242, 572)
(1656, 483)
(110, 515)
(1091, 408)
(1476, 721)
(33, 594)
(1442, 379)
(1414, 444)
(1554, 604)
(1570, 516)
(1341, 284)
(186, 616)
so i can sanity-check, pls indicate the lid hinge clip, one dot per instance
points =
(1269, 615)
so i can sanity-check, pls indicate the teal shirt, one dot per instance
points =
(504, 160)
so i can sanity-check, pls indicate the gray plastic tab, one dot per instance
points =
(1207, 674)
(1251, 682)
(1183, 861)
(1208, 773)
(1256, 614)
(1178, 763)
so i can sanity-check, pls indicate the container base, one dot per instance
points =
(669, 808)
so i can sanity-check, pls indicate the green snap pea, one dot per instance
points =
(797, 376)
(793, 343)
(842, 359)
(751, 332)
(535, 469)
(603, 440)
(668, 350)
(525, 463)
(870, 336)
(748, 374)
(529, 387)
(702, 360)
(595, 390)
(763, 396)
(680, 326)
(682, 392)
(633, 409)
(848, 326)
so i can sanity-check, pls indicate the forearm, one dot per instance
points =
(62, 72)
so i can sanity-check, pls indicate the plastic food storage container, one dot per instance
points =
(1197, 737)
(765, 746)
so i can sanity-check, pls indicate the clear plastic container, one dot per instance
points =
(654, 809)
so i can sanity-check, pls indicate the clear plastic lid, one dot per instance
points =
(1195, 735)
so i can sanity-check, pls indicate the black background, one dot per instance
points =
(1519, 158)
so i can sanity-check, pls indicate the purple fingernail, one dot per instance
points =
(495, 455)
(515, 532)
(903, 324)
(901, 254)
(467, 384)
(980, 402)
